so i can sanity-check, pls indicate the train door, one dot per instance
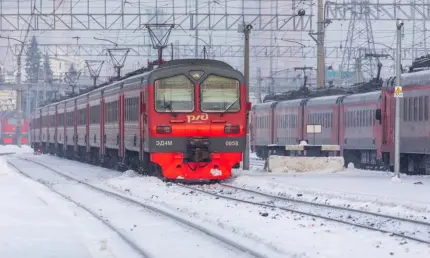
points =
(121, 124)
(385, 122)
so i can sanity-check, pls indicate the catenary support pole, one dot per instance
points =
(320, 46)
(398, 84)
(246, 29)
(18, 101)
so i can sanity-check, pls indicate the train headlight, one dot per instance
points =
(231, 129)
(197, 74)
(164, 129)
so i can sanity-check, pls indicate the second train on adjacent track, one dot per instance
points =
(361, 123)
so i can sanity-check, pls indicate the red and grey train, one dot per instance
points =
(185, 119)
(362, 124)
(8, 132)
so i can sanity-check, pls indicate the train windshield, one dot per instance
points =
(220, 94)
(174, 94)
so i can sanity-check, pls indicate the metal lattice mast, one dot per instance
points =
(360, 33)
(419, 28)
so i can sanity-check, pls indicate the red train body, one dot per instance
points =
(185, 119)
(362, 124)
(8, 129)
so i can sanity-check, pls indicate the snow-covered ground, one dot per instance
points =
(292, 235)
(371, 190)
(36, 222)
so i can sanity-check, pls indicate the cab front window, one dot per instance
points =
(174, 94)
(220, 94)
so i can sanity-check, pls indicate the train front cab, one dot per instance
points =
(196, 121)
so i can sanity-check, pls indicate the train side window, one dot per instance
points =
(410, 109)
(420, 108)
(356, 118)
(370, 118)
(331, 120)
(360, 118)
(127, 110)
(348, 119)
(415, 109)
(405, 109)
(363, 118)
(426, 108)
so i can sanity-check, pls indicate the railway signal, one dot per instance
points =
(398, 94)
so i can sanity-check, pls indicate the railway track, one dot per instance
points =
(404, 228)
(224, 243)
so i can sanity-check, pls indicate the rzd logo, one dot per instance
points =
(202, 117)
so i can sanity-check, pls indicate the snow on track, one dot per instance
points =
(36, 221)
(401, 227)
(158, 230)
(293, 234)
(360, 189)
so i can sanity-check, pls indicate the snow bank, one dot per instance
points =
(305, 164)
(16, 149)
(4, 169)
(130, 173)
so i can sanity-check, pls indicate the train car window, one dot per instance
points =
(405, 109)
(127, 110)
(369, 118)
(53, 120)
(415, 109)
(347, 119)
(426, 108)
(82, 119)
(420, 108)
(410, 109)
(365, 118)
(220, 94)
(355, 118)
(174, 94)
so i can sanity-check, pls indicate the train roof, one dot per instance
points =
(202, 62)
(290, 103)
(362, 98)
(412, 79)
(263, 106)
(326, 100)
(142, 73)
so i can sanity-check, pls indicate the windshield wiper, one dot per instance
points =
(168, 105)
(229, 106)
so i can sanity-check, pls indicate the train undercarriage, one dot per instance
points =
(143, 165)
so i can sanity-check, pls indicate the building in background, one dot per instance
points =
(61, 65)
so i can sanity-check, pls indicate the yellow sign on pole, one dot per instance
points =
(398, 92)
